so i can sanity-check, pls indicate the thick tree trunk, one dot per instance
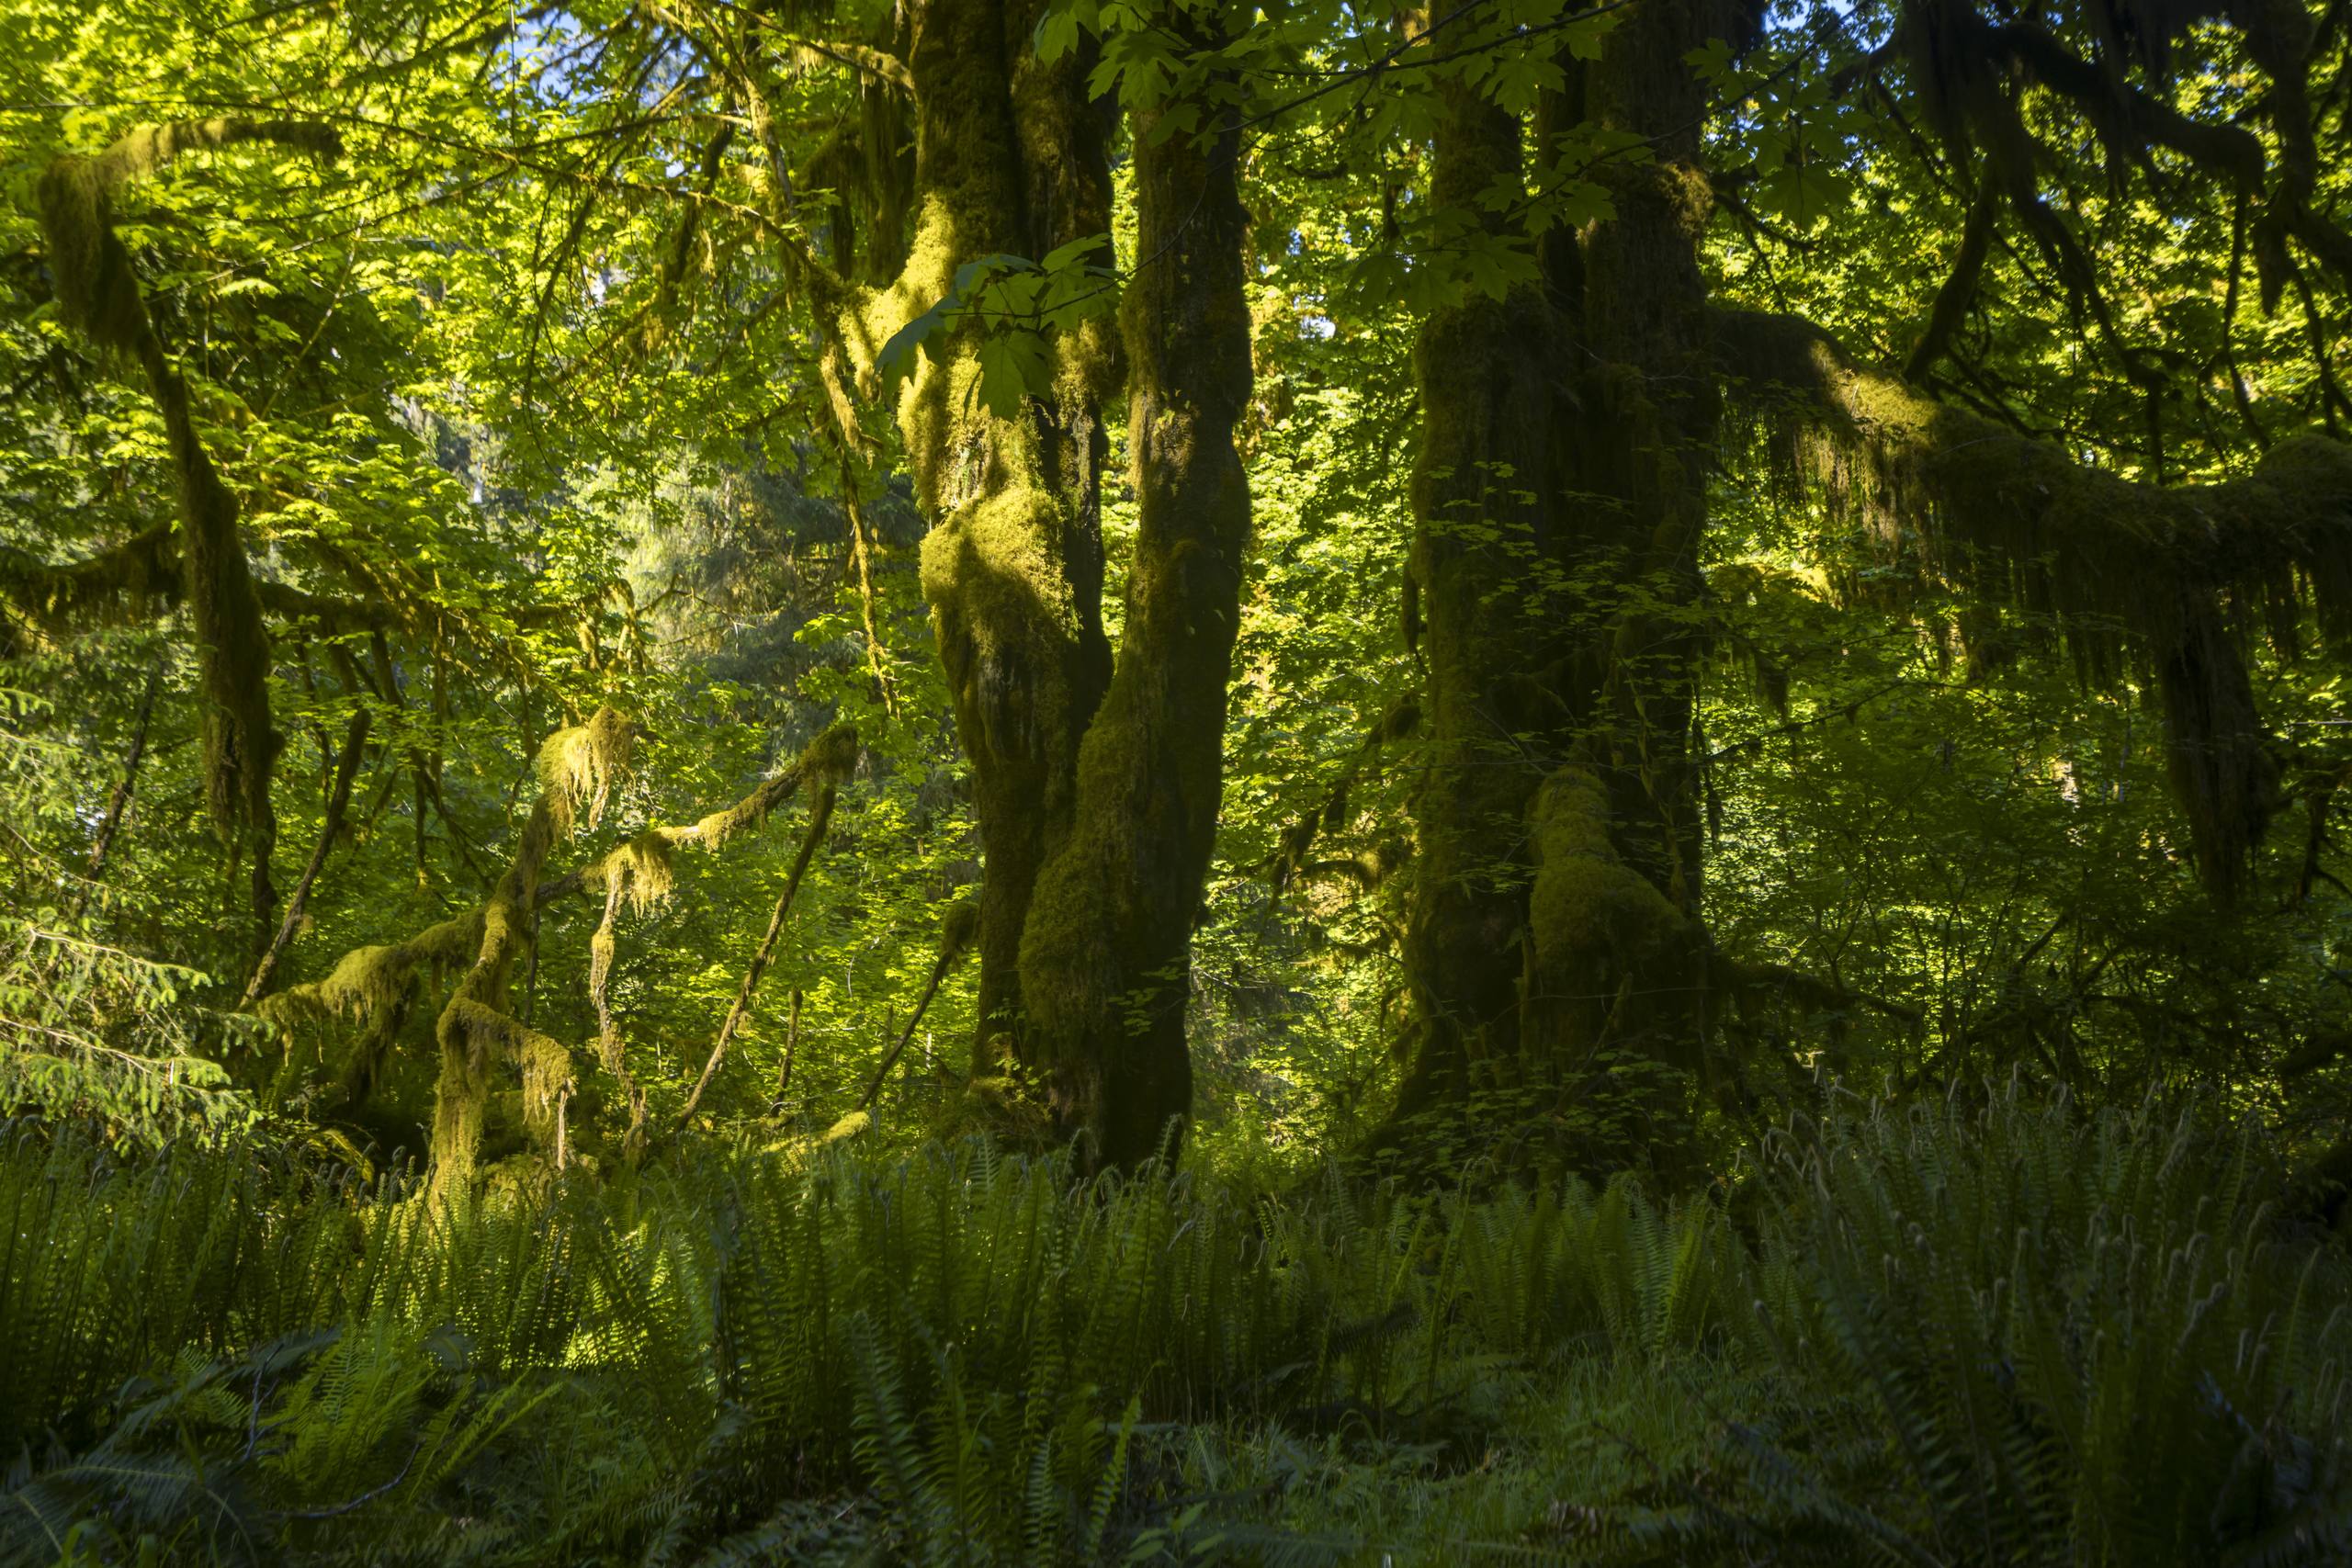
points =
(1483, 508)
(1010, 159)
(1106, 961)
(1557, 957)
(1096, 796)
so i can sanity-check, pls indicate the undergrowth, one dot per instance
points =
(2016, 1334)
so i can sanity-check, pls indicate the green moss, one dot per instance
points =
(1586, 903)
(993, 573)
(579, 766)
(99, 294)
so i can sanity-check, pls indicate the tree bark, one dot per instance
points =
(1555, 949)
(1010, 157)
(1106, 961)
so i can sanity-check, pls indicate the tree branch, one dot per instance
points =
(2012, 518)
(1959, 290)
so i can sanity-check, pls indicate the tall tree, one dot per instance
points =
(1096, 789)
(1560, 967)
(1105, 958)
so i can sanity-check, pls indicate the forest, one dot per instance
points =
(984, 781)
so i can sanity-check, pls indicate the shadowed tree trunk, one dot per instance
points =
(1105, 963)
(1554, 952)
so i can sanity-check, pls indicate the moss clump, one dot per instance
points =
(1586, 904)
(958, 931)
(367, 981)
(579, 767)
(640, 871)
(547, 1079)
(994, 573)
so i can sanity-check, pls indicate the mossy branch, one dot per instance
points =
(578, 769)
(98, 294)
(96, 291)
(2121, 566)
(1959, 290)
(827, 770)
(1289, 862)
(955, 936)
(347, 769)
(131, 581)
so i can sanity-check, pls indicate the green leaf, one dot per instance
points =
(897, 359)
(1014, 365)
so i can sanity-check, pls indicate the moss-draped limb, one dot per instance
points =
(1969, 68)
(640, 878)
(2123, 566)
(144, 576)
(99, 294)
(956, 934)
(128, 581)
(1957, 293)
(374, 986)
(577, 768)
(1289, 862)
(1105, 960)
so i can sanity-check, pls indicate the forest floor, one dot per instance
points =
(2017, 1333)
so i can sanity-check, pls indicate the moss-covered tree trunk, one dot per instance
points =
(1483, 508)
(1011, 158)
(1554, 950)
(1096, 795)
(1106, 961)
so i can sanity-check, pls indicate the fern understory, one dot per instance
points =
(2014, 1333)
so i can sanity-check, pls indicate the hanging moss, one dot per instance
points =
(2132, 572)
(98, 294)
(579, 766)
(130, 582)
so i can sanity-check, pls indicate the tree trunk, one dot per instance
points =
(1011, 158)
(1555, 949)
(1096, 796)
(1105, 963)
